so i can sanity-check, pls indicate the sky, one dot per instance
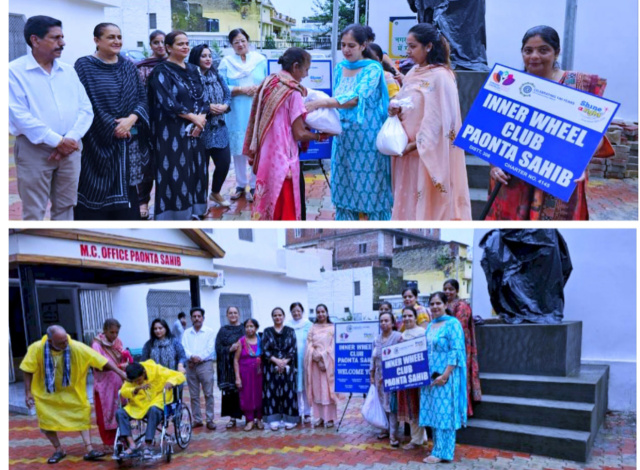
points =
(294, 8)
(457, 235)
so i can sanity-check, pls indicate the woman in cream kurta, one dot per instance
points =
(319, 361)
(430, 178)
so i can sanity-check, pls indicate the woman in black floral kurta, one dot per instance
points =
(279, 392)
(178, 109)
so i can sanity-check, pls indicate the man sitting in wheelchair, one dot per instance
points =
(144, 391)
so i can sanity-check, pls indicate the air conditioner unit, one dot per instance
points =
(213, 282)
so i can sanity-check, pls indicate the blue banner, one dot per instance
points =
(320, 78)
(541, 131)
(405, 365)
(354, 345)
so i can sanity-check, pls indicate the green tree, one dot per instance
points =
(323, 10)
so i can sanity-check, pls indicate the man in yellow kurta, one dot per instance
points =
(143, 389)
(55, 380)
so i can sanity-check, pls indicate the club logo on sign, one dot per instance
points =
(527, 88)
(590, 111)
(503, 78)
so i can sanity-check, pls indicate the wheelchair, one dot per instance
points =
(176, 417)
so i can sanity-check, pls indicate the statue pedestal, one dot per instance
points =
(530, 349)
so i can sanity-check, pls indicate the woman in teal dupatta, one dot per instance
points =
(360, 175)
(443, 404)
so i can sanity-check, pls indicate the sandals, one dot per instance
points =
(216, 198)
(57, 456)
(251, 195)
(93, 456)
(318, 423)
(144, 211)
(394, 444)
(409, 446)
(238, 193)
(383, 435)
(249, 426)
(329, 425)
(231, 424)
(260, 425)
(432, 459)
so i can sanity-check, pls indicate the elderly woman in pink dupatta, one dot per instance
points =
(276, 125)
(106, 384)
(319, 361)
(430, 177)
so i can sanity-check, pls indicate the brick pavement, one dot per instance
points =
(355, 447)
(609, 199)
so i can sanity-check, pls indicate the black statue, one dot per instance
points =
(526, 273)
(462, 23)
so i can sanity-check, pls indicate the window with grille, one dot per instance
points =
(356, 288)
(241, 301)
(167, 304)
(398, 240)
(362, 248)
(17, 44)
(245, 234)
(297, 232)
(153, 23)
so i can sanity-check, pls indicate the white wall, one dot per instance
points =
(133, 19)
(336, 291)
(606, 41)
(601, 292)
(78, 17)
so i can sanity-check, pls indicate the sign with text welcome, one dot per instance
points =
(536, 129)
(405, 365)
(354, 345)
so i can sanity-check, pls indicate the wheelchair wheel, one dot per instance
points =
(182, 426)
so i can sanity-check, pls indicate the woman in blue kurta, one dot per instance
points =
(301, 326)
(443, 404)
(243, 72)
(360, 175)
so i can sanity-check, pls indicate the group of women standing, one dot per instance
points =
(162, 121)
(444, 405)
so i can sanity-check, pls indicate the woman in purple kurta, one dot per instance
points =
(248, 368)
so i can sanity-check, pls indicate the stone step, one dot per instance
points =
(540, 440)
(585, 387)
(537, 412)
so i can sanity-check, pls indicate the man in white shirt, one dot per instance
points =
(177, 330)
(199, 344)
(49, 113)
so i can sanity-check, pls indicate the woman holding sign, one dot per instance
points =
(388, 337)
(518, 200)
(430, 177)
(319, 365)
(409, 400)
(443, 404)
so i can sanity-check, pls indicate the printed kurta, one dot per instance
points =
(279, 397)
(181, 162)
(279, 160)
(376, 366)
(301, 329)
(157, 377)
(67, 409)
(430, 183)
(238, 117)
(226, 337)
(445, 407)
(360, 175)
(319, 384)
(462, 311)
(409, 399)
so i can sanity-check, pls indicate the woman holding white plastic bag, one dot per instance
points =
(430, 178)
(388, 337)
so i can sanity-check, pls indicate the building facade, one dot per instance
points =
(137, 19)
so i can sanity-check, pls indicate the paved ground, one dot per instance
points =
(355, 447)
(609, 199)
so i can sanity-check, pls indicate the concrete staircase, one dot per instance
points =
(557, 417)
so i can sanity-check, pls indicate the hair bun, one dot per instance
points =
(280, 61)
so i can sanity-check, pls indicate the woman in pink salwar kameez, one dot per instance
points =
(247, 365)
(430, 178)
(319, 361)
(276, 125)
(106, 384)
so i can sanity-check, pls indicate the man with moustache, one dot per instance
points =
(199, 344)
(49, 112)
(55, 382)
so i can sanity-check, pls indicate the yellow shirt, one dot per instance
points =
(67, 409)
(157, 377)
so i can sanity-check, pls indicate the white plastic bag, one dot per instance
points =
(372, 410)
(325, 119)
(392, 139)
